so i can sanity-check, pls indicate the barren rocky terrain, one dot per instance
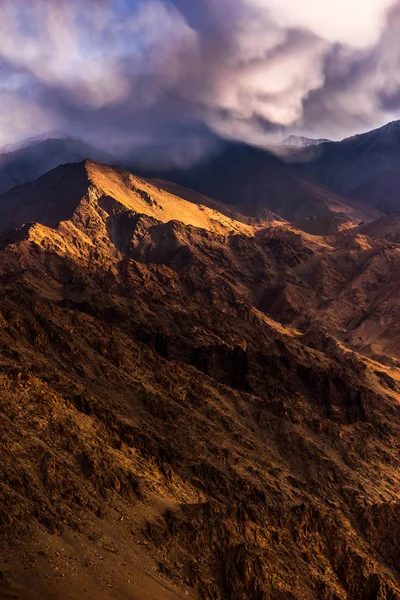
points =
(194, 403)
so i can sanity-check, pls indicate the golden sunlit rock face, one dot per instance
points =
(195, 403)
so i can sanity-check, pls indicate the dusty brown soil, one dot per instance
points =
(184, 413)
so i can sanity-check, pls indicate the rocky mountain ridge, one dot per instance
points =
(187, 409)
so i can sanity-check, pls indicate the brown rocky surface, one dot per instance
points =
(387, 228)
(324, 225)
(185, 408)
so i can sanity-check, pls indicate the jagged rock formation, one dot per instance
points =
(180, 416)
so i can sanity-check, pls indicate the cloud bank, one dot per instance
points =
(169, 76)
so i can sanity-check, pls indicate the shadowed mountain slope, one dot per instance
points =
(363, 167)
(256, 181)
(34, 159)
(175, 423)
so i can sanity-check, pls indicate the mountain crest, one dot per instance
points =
(298, 141)
(91, 196)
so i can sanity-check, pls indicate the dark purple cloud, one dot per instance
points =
(173, 75)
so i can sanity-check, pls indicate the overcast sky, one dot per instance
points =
(171, 74)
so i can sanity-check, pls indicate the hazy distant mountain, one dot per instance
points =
(365, 166)
(296, 141)
(33, 158)
(357, 178)
(256, 181)
(53, 135)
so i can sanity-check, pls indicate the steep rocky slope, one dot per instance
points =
(347, 282)
(162, 436)
(70, 191)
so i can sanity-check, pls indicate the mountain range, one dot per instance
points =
(200, 375)
(357, 177)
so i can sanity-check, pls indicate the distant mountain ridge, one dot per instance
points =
(297, 141)
(255, 181)
(363, 167)
(37, 139)
(357, 178)
(36, 157)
